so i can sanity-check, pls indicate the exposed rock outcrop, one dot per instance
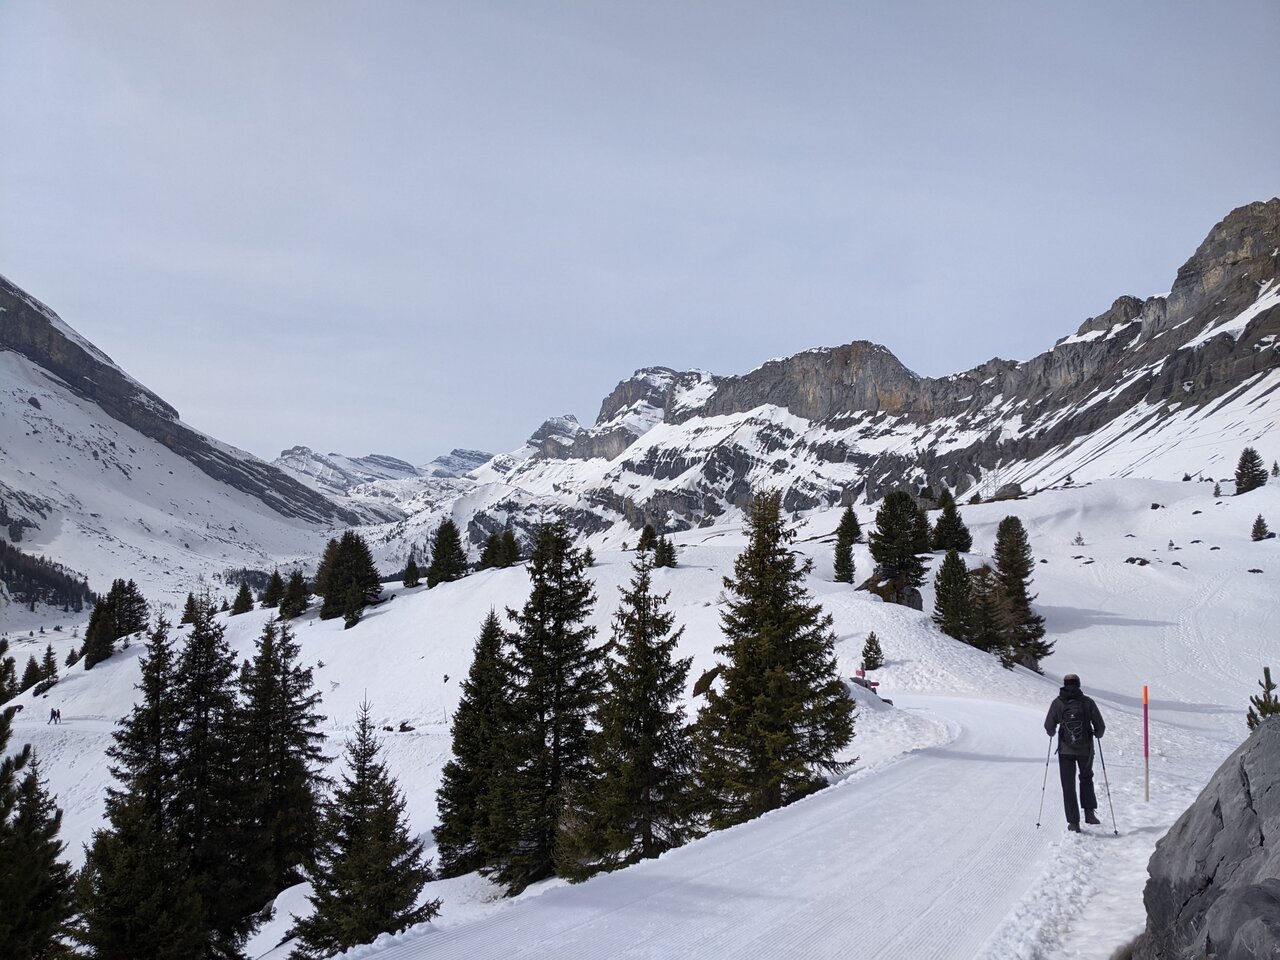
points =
(1214, 886)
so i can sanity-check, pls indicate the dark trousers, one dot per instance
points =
(1088, 799)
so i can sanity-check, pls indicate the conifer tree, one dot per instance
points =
(987, 615)
(210, 816)
(296, 597)
(480, 727)
(1217, 489)
(1025, 628)
(1260, 530)
(31, 674)
(491, 554)
(511, 554)
(638, 804)
(121, 612)
(952, 609)
(347, 577)
(1251, 472)
(848, 532)
(448, 559)
(49, 665)
(783, 714)
(190, 610)
(35, 884)
(950, 533)
(369, 870)
(274, 593)
(136, 892)
(283, 758)
(8, 674)
(1264, 704)
(872, 654)
(412, 575)
(1275, 468)
(244, 600)
(664, 552)
(895, 543)
(353, 608)
(648, 537)
(555, 683)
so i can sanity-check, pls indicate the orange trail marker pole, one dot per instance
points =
(1146, 746)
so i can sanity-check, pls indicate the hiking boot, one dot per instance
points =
(1090, 817)
(1073, 827)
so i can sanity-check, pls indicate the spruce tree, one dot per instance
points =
(448, 559)
(369, 870)
(783, 714)
(895, 543)
(121, 612)
(664, 552)
(353, 608)
(1275, 468)
(491, 554)
(987, 616)
(296, 597)
(480, 727)
(648, 537)
(136, 892)
(848, 532)
(31, 674)
(347, 577)
(189, 610)
(49, 665)
(274, 593)
(210, 818)
(872, 655)
(8, 674)
(412, 575)
(950, 533)
(1217, 489)
(555, 683)
(638, 804)
(1259, 531)
(35, 883)
(329, 560)
(1264, 704)
(511, 554)
(244, 600)
(1251, 472)
(952, 609)
(283, 760)
(1025, 628)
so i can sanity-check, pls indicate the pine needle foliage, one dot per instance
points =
(412, 575)
(953, 605)
(296, 598)
(369, 870)
(282, 760)
(274, 593)
(243, 602)
(480, 728)
(638, 804)
(872, 654)
(555, 683)
(121, 612)
(848, 532)
(1264, 704)
(35, 882)
(1259, 530)
(896, 542)
(448, 559)
(783, 715)
(950, 532)
(1024, 629)
(1251, 472)
(346, 577)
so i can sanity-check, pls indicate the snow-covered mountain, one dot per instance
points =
(1146, 388)
(335, 474)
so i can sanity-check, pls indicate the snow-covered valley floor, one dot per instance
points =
(929, 847)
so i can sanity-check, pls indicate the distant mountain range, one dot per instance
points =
(101, 474)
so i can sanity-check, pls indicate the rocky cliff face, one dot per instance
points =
(29, 328)
(1214, 887)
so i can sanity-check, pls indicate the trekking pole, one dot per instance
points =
(1045, 782)
(1114, 829)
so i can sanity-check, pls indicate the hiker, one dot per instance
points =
(53, 715)
(1077, 721)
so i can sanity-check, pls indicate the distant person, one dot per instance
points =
(1077, 721)
(53, 716)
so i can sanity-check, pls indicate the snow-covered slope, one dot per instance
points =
(934, 830)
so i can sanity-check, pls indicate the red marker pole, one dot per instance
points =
(1146, 747)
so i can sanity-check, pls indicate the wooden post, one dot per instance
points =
(1146, 747)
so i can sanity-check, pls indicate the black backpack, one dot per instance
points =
(1074, 729)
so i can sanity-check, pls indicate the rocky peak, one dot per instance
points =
(1239, 255)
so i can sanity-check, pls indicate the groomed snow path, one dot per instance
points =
(876, 867)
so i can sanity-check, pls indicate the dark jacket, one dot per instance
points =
(1094, 727)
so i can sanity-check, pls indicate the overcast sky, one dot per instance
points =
(405, 227)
